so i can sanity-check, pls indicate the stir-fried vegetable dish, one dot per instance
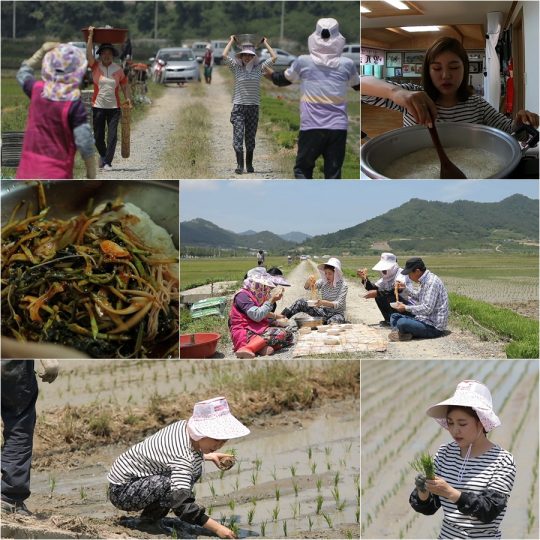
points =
(88, 282)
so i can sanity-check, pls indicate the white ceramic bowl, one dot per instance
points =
(393, 305)
(312, 303)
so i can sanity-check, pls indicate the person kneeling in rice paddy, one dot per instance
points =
(158, 474)
(247, 73)
(333, 291)
(473, 476)
(57, 121)
(251, 319)
(427, 310)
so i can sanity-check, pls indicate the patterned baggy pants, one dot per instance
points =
(328, 316)
(152, 494)
(245, 119)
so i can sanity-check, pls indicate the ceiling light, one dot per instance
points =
(420, 28)
(397, 4)
(364, 10)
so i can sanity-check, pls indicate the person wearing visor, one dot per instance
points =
(332, 289)
(255, 328)
(108, 77)
(473, 476)
(383, 290)
(247, 73)
(325, 77)
(426, 315)
(157, 475)
(57, 124)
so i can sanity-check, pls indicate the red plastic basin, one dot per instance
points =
(107, 35)
(198, 345)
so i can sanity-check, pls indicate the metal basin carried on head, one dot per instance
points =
(69, 197)
(377, 153)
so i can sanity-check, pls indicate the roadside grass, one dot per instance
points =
(202, 271)
(185, 154)
(188, 325)
(15, 112)
(522, 331)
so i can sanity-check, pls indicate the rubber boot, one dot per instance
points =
(249, 350)
(239, 163)
(249, 161)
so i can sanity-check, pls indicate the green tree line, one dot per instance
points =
(177, 21)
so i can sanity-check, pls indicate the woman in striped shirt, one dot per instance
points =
(333, 291)
(158, 474)
(473, 476)
(246, 98)
(444, 95)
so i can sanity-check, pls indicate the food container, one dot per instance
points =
(106, 35)
(309, 322)
(312, 303)
(332, 341)
(199, 345)
(333, 331)
(394, 305)
(378, 152)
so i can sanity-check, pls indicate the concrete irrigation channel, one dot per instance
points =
(297, 475)
(395, 395)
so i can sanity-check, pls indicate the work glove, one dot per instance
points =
(35, 60)
(90, 167)
(47, 370)
(420, 482)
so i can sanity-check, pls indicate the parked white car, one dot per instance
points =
(217, 47)
(284, 58)
(353, 52)
(180, 66)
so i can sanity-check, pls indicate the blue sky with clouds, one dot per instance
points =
(318, 207)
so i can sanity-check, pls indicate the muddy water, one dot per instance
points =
(332, 434)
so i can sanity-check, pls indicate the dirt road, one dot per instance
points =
(150, 136)
(457, 344)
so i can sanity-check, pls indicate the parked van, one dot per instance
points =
(217, 46)
(199, 48)
(353, 52)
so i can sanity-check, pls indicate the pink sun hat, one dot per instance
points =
(472, 394)
(212, 418)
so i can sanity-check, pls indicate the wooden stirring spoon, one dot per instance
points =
(448, 169)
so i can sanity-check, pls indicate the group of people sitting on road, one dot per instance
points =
(412, 300)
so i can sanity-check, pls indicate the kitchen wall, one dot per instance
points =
(530, 23)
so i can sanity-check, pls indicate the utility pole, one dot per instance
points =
(14, 19)
(155, 19)
(282, 22)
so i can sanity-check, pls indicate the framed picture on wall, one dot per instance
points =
(398, 72)
(418, 68)
(475, 67)
(408, 68)
(414, 57)
(390, 71)
(393, 59)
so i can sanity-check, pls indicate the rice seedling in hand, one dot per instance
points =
(234, 527)
(250, 514)
(425, 465)
(320, 501)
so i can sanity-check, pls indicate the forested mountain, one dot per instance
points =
(203, 233)
(436, 226)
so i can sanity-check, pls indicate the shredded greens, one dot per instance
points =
(87, 282)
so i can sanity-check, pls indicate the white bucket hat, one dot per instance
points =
(260, 275)
(336, 264)
(326, 51)
(388, 261)
(472, 394)
(213, 418)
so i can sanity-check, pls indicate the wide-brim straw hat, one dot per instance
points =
(212, 418)
(471, 394)
(261, 276)
(388, 261)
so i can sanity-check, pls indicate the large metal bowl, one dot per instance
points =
(308, 322)
(69, 197)
(377, 153)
